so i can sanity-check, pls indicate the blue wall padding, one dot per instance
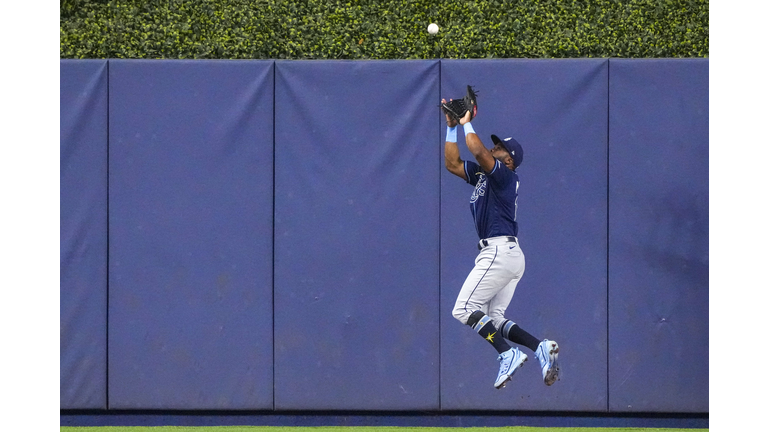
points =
(190, 270)
(283, 235)
(83, 234)
(558, 112)
(659, 236)
(357, 178)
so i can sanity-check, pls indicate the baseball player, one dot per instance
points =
(489, 287)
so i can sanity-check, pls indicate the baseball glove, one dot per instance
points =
(458, 107)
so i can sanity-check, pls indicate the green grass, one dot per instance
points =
(353, 428)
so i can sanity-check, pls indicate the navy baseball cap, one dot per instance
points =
(513, 148)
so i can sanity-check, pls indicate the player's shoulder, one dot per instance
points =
(472, 169)
(501, 172)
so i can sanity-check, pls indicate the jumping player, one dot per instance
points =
(490, 285)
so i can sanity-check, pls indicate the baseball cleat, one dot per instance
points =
(547, 354)
(511, 361)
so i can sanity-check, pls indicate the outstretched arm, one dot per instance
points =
(484, 158)
(453, 162)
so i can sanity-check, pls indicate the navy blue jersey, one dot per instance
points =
(494, 200)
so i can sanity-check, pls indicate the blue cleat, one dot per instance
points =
(511, 361)
(547, 354)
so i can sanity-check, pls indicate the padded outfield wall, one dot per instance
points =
(282, 236)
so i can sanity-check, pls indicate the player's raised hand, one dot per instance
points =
(467, 117)
(448, 119)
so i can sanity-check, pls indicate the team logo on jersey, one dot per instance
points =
(479, 189)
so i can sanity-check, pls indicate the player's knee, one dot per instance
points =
(475, 317)
(498, 321)
(462, 315)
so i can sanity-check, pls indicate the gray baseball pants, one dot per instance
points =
(490, 285)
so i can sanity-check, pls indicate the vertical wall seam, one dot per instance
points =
(608, 243)
(439, 251)
(274, 190)
(106, 345)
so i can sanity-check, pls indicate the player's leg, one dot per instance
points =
(508, 328)
(510, 359)
(497, 306)
(546, 351)
(513, 332)
(490, 274)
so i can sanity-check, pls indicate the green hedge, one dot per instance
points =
(382, 29)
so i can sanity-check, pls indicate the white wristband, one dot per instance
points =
(468, 129)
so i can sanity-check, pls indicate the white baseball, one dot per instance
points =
(433, 29)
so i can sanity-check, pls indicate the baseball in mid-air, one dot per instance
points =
(433, 29)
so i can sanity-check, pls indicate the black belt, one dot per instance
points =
(484, 242)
